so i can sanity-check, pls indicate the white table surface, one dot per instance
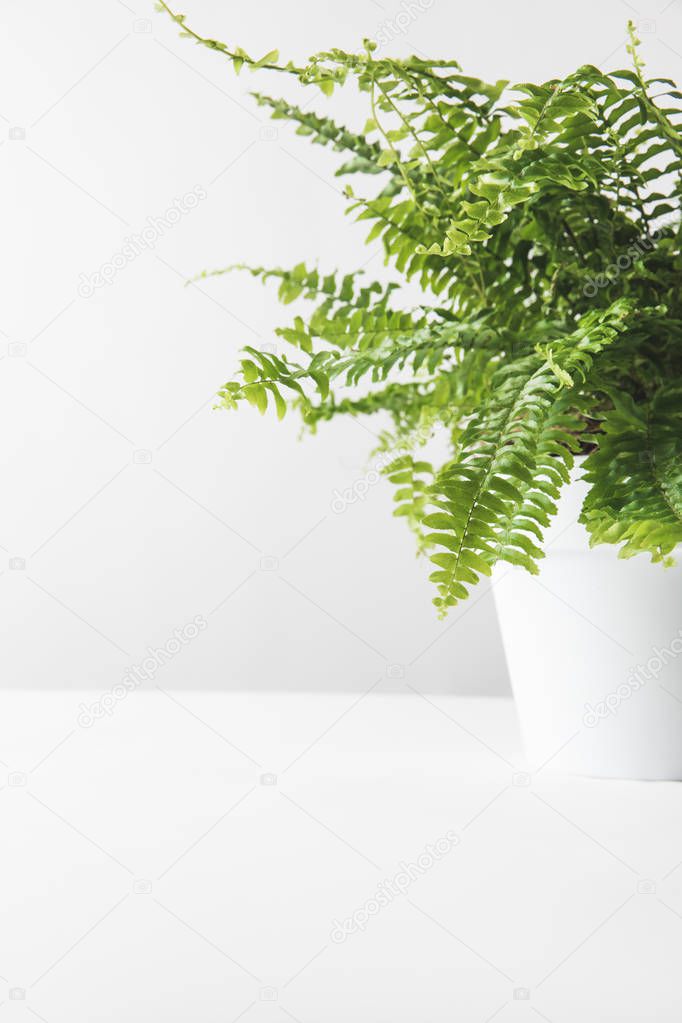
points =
(560, 899)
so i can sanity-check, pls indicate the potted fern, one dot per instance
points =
(541, 222)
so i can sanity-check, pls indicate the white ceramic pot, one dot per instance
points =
(594, 651)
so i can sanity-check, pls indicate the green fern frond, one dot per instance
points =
(542, 224)
(635, 474)
(326, 132)
(493, 501)
(412, 479)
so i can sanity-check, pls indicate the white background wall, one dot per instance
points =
(117, 118)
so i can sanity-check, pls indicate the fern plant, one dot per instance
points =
(541, 222)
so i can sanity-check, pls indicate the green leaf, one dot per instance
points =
(539, 226)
